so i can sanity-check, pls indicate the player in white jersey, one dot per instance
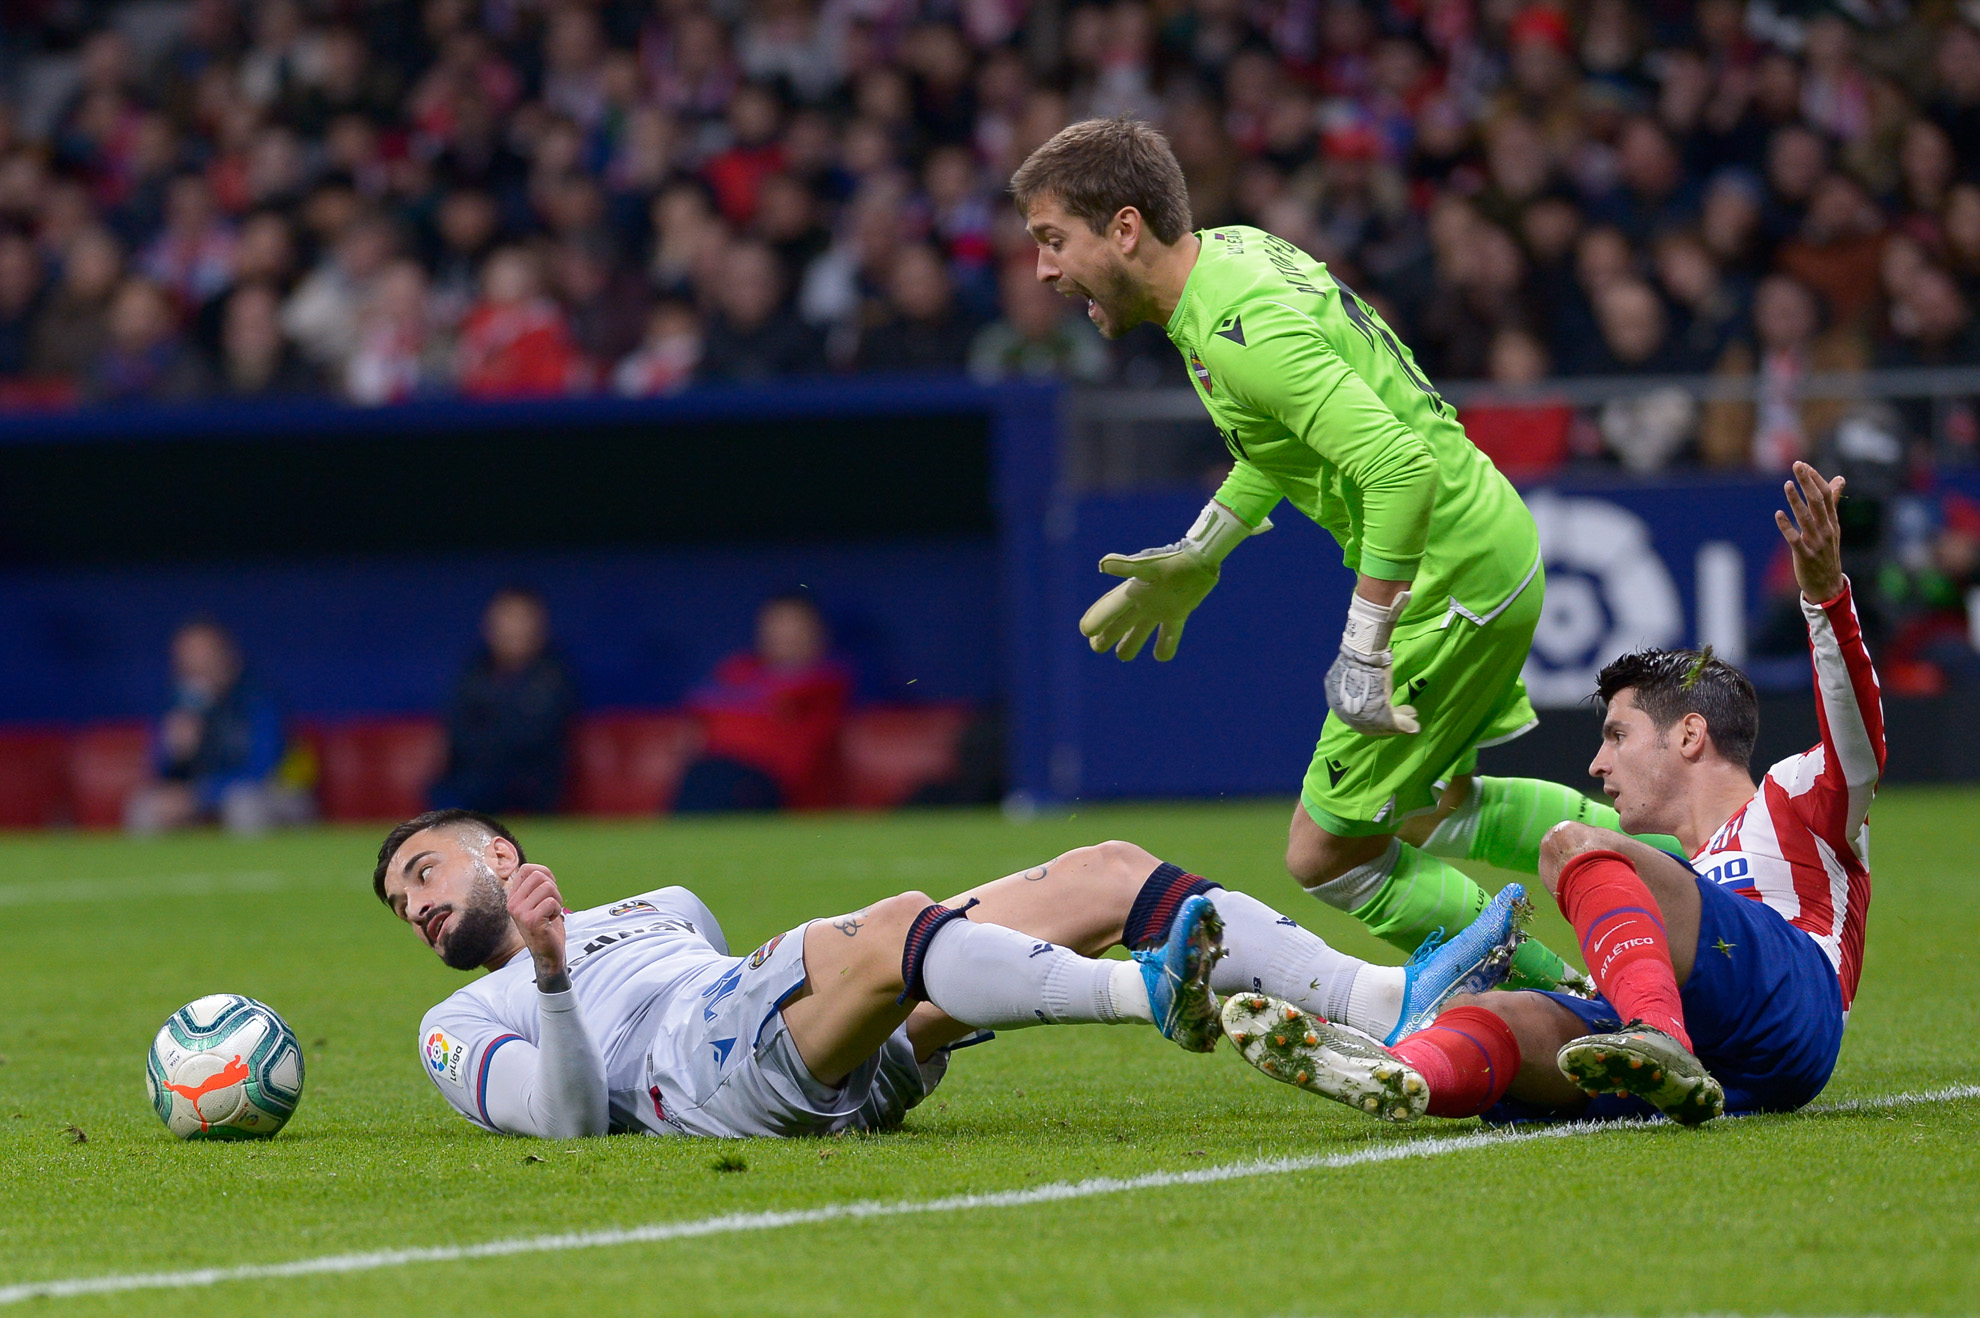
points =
(1725, 978)
(636, 1017)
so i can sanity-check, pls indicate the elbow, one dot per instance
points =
(580, 1125)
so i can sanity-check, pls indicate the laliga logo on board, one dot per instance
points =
(1608, 593)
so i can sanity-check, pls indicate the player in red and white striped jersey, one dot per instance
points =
(1802, 843)
(1725, 980)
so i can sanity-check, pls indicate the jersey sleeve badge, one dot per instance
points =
(444, 1056)
(762, 954)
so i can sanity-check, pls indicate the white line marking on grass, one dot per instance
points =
(866, 1209)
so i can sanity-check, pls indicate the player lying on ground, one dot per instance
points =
(634, 1017)
(1725, 981)
(1320, 404)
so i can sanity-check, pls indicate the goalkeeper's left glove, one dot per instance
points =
(1360, 685)
(1164, 585)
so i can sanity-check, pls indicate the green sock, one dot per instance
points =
(1419, 894)
(1503, 820)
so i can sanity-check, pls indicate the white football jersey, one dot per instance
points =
(626, 961)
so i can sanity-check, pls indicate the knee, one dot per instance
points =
(896, 913)
(1315, 858)
(870, 942)
(1310, 860)
(1119, 861)
(1563, 842)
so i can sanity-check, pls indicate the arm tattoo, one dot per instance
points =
(849, 926)
(1033, 876)
(557, 983)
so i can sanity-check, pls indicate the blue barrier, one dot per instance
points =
(1672, 562)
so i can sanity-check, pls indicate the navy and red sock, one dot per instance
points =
(1155, 906)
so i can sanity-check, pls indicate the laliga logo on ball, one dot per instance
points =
(1607, 593)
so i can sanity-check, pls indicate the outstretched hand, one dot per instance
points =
(538, 911)
(1814, 533)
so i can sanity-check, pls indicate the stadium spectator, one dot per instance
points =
(1036, 335)
(770, 718)
(193, 256)
(510, 714)
(924, 329)
(515, 342)
(1647, 429)
(218, 754)
(74, 328)
(1788, 344)
(1710, 306)
(322, 314)
(750, 337)
(21, 294)
(400, 354)
(666, 358)
(144, 358)
(1837, 247)
(257, 360)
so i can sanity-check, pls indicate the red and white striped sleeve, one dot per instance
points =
(1849, 706)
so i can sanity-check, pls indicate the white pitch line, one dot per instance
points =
(867, 1209)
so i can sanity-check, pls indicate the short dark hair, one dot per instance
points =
(1670, 684)
(434, 819)
(1097, 167)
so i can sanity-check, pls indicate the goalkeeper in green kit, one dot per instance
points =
(1320, 404)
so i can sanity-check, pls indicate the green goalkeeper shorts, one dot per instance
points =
(1463, 678)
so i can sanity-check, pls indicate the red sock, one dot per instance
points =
(1468, 1057)
(1622, 938)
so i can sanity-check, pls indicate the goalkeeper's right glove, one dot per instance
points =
(1163, 586)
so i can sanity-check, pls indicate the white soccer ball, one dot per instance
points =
(224, 1068)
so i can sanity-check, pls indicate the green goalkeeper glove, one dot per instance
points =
(1163, 586)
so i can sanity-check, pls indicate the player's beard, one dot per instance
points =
(1114, 296)
(483, 922)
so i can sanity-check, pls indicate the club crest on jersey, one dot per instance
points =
(762, 954)
(444, 1055)
(1199, 370)
(636, 904)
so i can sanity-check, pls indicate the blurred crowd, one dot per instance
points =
(391, 199)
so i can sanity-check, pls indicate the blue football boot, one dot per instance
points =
(1177, 973)
(1473, 962)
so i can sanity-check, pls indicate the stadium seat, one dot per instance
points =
(629, 763)
(377, 768)
(1523, 440)
(107, 762)
(34, 791)
(891, 752)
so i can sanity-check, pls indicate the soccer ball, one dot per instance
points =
(224, 1068)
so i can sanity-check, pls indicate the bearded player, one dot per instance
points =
(1725, 981)
(1320, 404)
(635, 1017)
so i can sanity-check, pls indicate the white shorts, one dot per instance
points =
(729, 1069)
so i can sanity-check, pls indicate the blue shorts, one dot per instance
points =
(1763, 1007)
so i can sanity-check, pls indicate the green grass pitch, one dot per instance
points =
(1845, 1209)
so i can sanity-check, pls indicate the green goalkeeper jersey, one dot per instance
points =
(1321, 404)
